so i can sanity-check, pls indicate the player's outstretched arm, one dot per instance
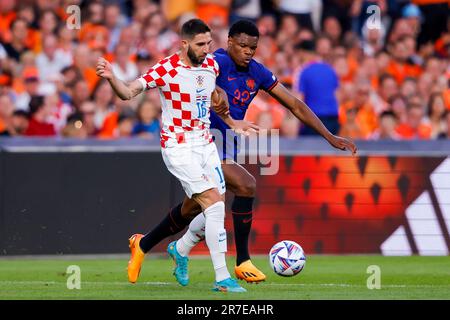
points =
(124, 90)
(304, 114)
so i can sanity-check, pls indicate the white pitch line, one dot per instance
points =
(356, 285)
(85, 282)
(157, 283)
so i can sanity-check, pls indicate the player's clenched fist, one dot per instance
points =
(104, 68)
(218, 103)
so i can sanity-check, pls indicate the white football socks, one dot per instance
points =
(194, 234)
(216, 238)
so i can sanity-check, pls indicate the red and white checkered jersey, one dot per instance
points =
(185, 94)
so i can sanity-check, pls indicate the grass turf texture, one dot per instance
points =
(324, 277)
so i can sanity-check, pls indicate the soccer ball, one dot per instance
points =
(287, 258)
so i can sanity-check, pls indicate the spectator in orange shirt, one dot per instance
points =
(94, 33)
(83, 60)
(48, 25)
(362, 113)
(351, 128)
(175, 9)
(414, 128)
(387, 128)
(118, 123)
(7, 16)
(399, 66)
(210, 10)
(387, 88)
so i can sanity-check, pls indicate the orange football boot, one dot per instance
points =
(248, 272)
(137, 258)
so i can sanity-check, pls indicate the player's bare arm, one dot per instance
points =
(219, 102)
(304, 114)
(124, 91)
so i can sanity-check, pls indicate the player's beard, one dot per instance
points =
(194, 59)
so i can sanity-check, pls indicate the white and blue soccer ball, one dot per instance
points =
(287, 258)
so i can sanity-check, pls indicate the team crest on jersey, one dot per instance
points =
(200, 81)
(250, 84)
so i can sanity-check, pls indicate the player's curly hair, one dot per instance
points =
(244, 26)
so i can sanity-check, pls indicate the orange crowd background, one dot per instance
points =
(393, 79)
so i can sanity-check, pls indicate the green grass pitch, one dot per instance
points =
(324, 277)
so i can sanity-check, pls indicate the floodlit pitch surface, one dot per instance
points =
(324, 277)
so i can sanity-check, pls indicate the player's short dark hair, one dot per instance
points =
(193, 27)
(244, 26)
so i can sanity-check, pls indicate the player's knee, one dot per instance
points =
(208, 198)
(247, 188)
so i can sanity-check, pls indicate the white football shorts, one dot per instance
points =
(198, 168)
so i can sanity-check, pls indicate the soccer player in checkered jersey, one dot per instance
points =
(240, 77)
(186, 81)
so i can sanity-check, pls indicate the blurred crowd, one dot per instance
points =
(369, 69)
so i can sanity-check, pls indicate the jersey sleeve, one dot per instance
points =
(268, 79)
(221, 62)
(154, 77)
(216, 68)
